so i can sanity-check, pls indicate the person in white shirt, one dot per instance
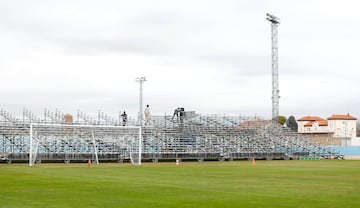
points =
(147, 114)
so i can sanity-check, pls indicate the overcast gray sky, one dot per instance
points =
(207, 56)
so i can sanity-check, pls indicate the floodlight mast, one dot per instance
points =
(140, 80)
(275, 21)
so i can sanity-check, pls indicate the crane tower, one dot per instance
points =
(274, 22)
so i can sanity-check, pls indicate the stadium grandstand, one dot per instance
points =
(61, 138)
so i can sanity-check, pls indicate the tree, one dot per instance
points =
(292, 124)
(281, 120)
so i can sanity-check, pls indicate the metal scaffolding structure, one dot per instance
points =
(189, 137)
(107, 120)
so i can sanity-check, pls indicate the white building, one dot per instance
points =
(343, 125)
(312, 125)
(335, 126)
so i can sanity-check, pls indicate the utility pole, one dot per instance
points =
(274, 22)
(140, 80)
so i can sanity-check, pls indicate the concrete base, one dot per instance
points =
(352, 157)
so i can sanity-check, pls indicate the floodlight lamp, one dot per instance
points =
(140, 79)
(272, 18)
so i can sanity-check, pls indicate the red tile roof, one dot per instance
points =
(252, 124)
(342, 117)
(320, 122)
(310, 118)
(313, 119)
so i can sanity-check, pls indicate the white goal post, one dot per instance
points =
(80, 142)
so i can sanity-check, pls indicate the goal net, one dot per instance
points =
(84, 143)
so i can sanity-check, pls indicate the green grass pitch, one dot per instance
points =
(191, 184)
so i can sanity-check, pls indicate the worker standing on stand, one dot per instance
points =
(176, 113)
(182, 114)
(147, 115)
(124, 118)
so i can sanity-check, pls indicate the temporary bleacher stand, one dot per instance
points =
(193, 137)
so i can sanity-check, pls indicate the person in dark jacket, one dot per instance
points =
(124, 118)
